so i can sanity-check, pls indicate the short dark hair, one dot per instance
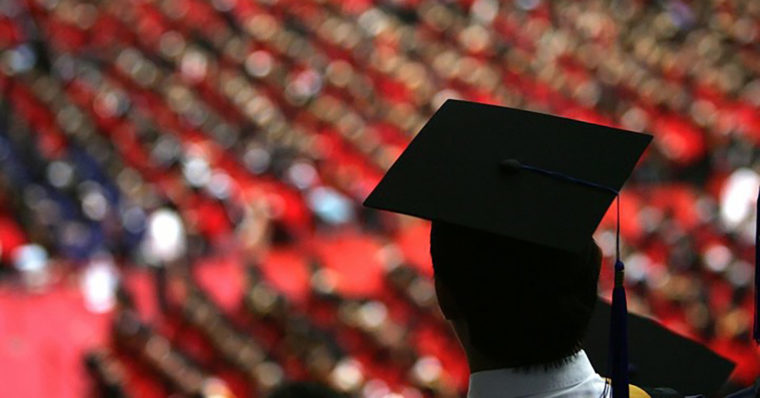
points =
(523, 303)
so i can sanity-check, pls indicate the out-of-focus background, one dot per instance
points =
(181, 181)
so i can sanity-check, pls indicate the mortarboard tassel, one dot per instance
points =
(756, 328)
(619, 323)
(619, 317)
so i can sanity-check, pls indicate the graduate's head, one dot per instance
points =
(517, 303)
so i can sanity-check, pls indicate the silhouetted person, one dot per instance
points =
(515, 197)
(520, 311)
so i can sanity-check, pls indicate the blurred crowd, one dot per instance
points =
(219, 151)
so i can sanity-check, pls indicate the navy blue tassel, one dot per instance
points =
(619, 336)
(756, 330)
(619, 323)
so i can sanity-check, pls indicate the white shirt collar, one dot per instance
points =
(509, 382)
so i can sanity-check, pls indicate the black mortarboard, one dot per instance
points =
(524, 175)
(464, 168)
(660, 358)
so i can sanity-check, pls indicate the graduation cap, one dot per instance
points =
(525, 175)
(685, 365)
(536, 177)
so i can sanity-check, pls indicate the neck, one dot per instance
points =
(478, 361)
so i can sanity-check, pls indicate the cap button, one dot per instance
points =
(510, 166)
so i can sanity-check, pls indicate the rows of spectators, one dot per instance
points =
(163, 134)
